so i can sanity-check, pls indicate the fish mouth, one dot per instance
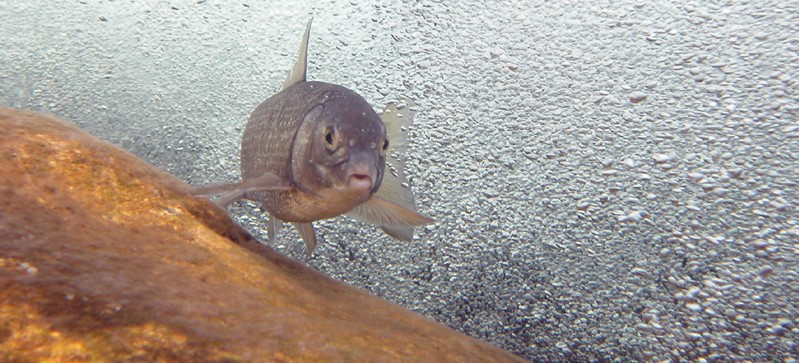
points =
(361, 173)
(359, 181)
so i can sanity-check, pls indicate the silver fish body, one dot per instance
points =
(317, 150)
(284, 135)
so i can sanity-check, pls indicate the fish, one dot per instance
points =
(318, 150)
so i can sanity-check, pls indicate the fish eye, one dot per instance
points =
(331, 141)
(385, 144)
(329, 136)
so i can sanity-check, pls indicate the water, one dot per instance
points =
(613, 180)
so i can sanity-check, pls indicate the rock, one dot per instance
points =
(104, 257)
(637, 97)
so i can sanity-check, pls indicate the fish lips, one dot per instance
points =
(361, 173)
(360, 181)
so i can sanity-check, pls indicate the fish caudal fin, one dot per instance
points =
(298, 73)
(308, 236)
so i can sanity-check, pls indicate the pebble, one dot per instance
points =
(760, 244)
(664, 158)
(640, 272)
(765, 271)
(692, 292)
(693, 336)
(636, 215)
(777, 330)
(780, 206)
(735, 173)
(761, 213)
(637, 96)
(696, 177)
(719, 191)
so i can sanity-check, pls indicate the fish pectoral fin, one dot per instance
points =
(397, 116)
(230, 192)
(308, 236)
(384, 213)
(224, 199)
(224, 194)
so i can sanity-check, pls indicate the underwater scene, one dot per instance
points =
(570, 181)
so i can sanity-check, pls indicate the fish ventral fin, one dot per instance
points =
(230, 192)
(308, 236)
(384, 213)
(402, 234)
(297, 73)
(397, 116)
(274, 228)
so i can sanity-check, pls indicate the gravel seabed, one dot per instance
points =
(613, 180)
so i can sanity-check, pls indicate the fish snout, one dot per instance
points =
(361, 174)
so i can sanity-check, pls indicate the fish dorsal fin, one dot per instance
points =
(297, 73)
(397, 117)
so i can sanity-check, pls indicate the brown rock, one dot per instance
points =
(105, 258)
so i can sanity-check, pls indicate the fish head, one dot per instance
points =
(342, 146)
